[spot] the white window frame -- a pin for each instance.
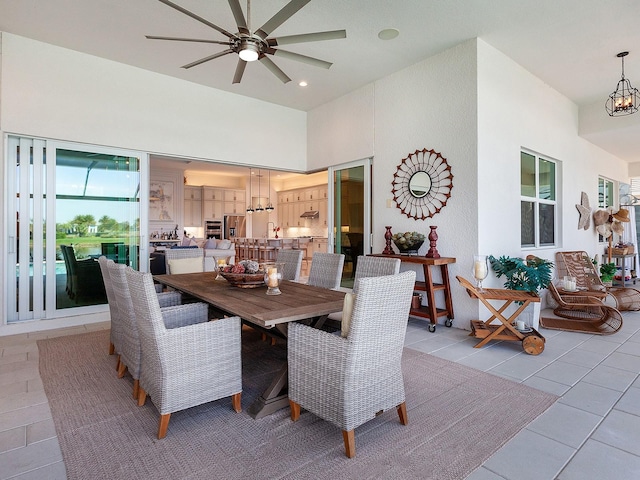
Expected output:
(537, 201)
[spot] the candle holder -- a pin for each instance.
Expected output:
(273, 277)
(387, 238)
(480, 270)
(433, 238)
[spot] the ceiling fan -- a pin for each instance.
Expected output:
(256, 45)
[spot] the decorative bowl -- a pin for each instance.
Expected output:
(408, 241)
(244, 280)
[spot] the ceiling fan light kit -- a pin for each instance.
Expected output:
(251, 46)
(624, 100)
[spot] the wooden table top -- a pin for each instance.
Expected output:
(297, 301)
(418, 259)
(508, 295)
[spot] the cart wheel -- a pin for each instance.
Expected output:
(432, 327)
(533, 345)
(448, 322)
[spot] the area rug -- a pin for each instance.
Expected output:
(458, 417)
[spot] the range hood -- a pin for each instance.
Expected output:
(310, 214)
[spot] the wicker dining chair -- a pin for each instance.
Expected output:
(129, 341)
(582, 314)
(349, 381)
(115, 332)
(292, 260)
(183, 366)
(578, 264)
(368, 266)
(326, 270)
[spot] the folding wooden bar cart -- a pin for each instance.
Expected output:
(532, 341)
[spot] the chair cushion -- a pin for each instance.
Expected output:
(224, 244)
(186, 265)
(210, 243)
(347, 309)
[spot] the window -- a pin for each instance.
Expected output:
(605, 193)
(538, 204)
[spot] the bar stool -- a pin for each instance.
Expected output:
(287, 243)
(266, 252)
(253, 249)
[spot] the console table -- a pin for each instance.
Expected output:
(430, 310)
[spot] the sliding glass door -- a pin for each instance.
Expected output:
(71, 204)
(350, 206)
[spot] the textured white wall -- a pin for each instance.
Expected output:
(57, 93)
(517, 110)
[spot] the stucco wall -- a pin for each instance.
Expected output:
(58, 93)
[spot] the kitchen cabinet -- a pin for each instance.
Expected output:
(320, 245)
(322, 209)
(212, 203)
(234, 202)
(192, 206)
(293, 203)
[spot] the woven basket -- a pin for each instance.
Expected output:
(619, 251)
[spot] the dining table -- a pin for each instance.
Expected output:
(297, 302)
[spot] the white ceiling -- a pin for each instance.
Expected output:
(569, 44)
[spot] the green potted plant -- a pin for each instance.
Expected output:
(531, 274)
(607, 272)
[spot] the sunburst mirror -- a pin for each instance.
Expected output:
(422, 184)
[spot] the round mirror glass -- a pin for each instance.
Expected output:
(420, 184)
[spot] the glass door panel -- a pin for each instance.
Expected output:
(86, 199)
(351, 214)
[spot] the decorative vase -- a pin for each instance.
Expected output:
(433, 238)
(387, 237)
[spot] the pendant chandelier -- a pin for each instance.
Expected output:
(250, 208)
(269, 205)
(624, 101)
(259, 207)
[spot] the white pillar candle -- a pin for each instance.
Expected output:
(480, 269)
(272, 277)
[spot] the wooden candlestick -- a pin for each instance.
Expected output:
(433, 238)
(387, 236)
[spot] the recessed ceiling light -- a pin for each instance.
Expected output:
(388, 34)
(303, 83)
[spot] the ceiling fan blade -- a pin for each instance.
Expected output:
(197, 17)
(266, 61)
(180, 39)
(237, 77)
(316, 62)
(307, 37)
(279, 18)
(206, 59)
(241, 22)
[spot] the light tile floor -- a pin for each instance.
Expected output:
(592, 431)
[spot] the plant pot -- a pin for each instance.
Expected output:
(416, 301)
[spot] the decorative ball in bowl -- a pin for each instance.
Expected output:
(245, 274)
(408, 241)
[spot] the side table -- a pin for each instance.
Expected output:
(430, 310)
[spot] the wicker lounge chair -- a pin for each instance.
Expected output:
(582, 314)
(348, 381)
(578, 264)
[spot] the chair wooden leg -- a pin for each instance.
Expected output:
(236, 402)
(118, 363)
(295, 410)
(349, 443)
(273, 340)
(263, 337)
(112, 348)
(122, 369)
(164, 424)
(136, 389)
(142, 396)
(402, 413)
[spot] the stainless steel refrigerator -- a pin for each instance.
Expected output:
(234, 226)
